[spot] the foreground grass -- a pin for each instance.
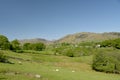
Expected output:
(77, 68)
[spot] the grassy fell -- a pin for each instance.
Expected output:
(46, 65)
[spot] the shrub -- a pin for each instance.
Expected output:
(107, 62)
(73, 50)
(3, 58)
(69, 53)
(111, 43)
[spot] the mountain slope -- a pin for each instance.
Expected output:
(88, 36)
(36, 40)
(77, 37)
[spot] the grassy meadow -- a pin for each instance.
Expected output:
(25, 66)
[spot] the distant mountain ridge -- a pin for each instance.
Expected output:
(36, 40)
(77, 37)
(88, 36)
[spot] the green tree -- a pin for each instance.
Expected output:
(34, 46)
(27, 46)
(15, 45)
(4, 43)
(38, 46)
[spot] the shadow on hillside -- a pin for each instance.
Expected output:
(8, 62)
(2, 78)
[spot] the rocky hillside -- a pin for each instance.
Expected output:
(88, 36)
(36, 40)
(78, 37)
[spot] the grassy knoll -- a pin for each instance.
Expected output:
(76, 68)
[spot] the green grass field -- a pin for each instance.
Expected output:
(47, 66)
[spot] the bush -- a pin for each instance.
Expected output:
(73, 50)
(3, 58)
(107, 62)
(69, 53)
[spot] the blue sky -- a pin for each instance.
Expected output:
(53, 19)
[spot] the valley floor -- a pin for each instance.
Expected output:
(28, 66)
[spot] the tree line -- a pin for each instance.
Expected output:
(15, 45)
(115, 43)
